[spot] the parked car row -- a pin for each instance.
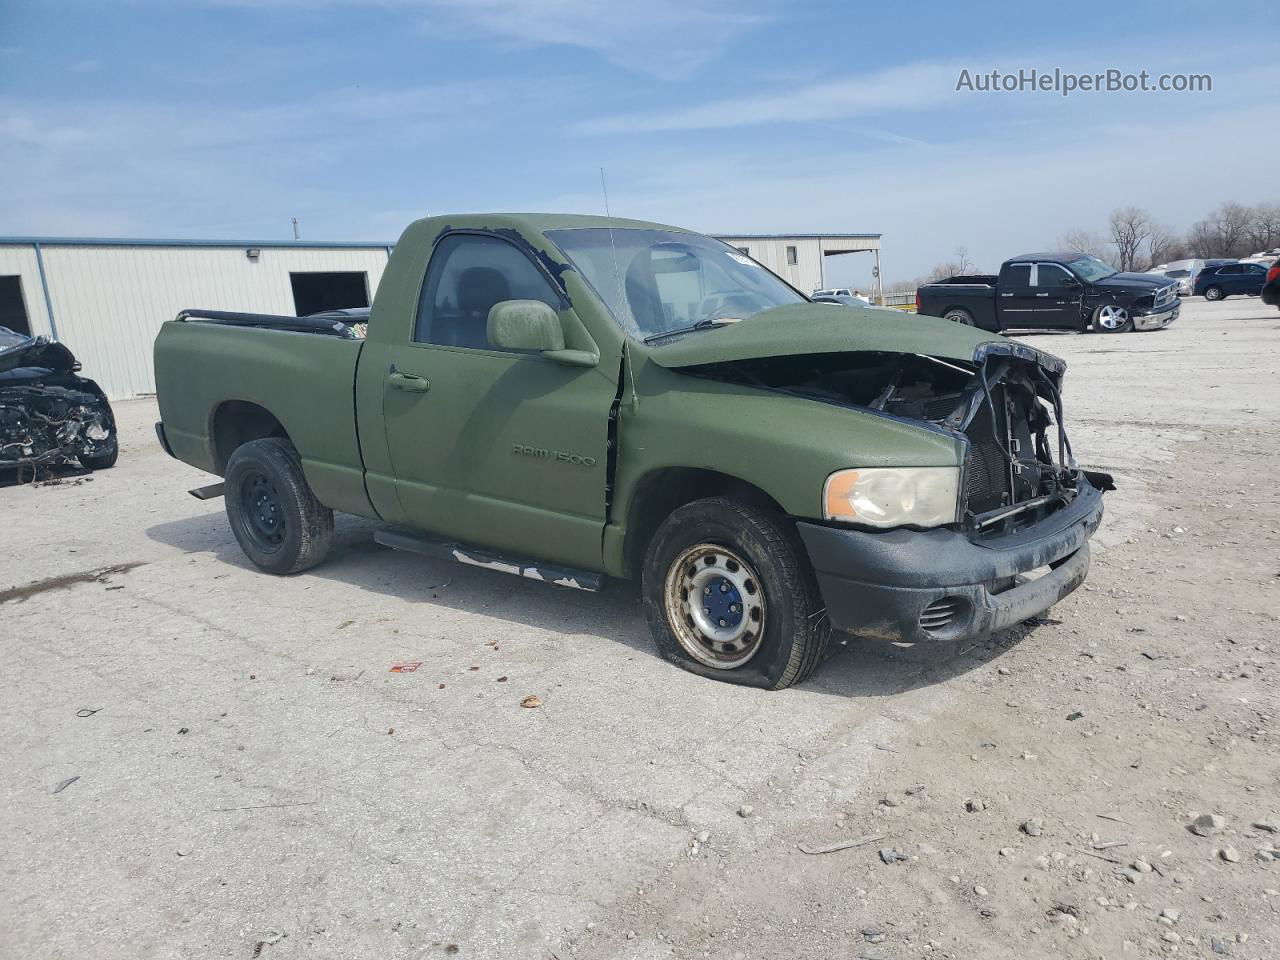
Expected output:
(1228, 279)
(1221, 278)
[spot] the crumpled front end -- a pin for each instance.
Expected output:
(44, 423)
(1024, 511)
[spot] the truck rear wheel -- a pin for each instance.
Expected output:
(729, 595)
(278, 521)
(958, 315)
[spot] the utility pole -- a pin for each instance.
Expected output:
(295, 229)
(879, 279)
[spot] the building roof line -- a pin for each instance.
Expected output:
(152, 242)
(340, 244)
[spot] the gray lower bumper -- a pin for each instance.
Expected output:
(924, 585)
(1157, 320)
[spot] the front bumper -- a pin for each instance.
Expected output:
(1156, 320)
(920, 585)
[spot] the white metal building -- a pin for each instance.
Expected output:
(801, 258)
(106, 298)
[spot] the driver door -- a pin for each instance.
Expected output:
(1057, 295)
(492, 447)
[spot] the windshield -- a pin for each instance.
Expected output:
(656, 282)
(10, 339)
(1092, 269)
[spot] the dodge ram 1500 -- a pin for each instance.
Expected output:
(571, 398)
(1039, 291)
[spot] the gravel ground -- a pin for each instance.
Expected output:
(203, 761)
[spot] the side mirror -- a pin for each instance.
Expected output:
(532, 325)
(1071, 282)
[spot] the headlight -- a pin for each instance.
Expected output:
(893, 496)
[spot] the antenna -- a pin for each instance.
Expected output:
(613, 247)
(295, 229)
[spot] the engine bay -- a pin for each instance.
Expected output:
(44, 423)
(1006, 407)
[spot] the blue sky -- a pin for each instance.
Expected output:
(225, 118)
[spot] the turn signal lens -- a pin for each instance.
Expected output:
(893, 496)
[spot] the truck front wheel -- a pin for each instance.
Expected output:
(1112, 319)
(278, 521)
(729, 594)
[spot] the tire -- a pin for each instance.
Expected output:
(278, 521)
(104, 462)
(1111, 318)
(959, 315)
(780, 630)
(1214, 293)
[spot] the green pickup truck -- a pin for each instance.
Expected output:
(571, 398)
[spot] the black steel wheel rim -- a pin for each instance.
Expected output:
(263, 511)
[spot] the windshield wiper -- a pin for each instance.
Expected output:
(692, 328)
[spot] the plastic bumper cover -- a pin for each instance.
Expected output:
(1156, 319)
(921, 585)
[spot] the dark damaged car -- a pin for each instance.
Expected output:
(573, 398)
(1054, 291)
(49, 414)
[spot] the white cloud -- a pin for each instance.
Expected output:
(1241, 70)
(909, 87)
(662, 38)
(137, 166)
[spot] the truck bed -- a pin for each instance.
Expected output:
(209, 364)
(975, 294)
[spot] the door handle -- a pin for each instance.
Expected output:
(408, 382)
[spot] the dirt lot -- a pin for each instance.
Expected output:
(203, 761)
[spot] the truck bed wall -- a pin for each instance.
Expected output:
(975, 294)
(304, 380)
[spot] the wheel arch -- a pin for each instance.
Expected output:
(236, 422)
(664, 490)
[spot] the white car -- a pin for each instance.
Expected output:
(841, 292)
(1184, 271)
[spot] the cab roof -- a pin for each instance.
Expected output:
(1047, 257)
(541, 222)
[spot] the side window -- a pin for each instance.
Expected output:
(467, 275)
(1016, 277)
(1051, 275)
(1257, 268)
(1231, 270)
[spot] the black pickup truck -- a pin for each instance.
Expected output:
(1054, 291)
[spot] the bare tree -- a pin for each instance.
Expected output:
(1224, 233)
(1263, 230)
(1164, 245)
(1077, 240)
(1130, 231)
(964, 264)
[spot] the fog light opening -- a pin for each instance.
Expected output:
(944, 615)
